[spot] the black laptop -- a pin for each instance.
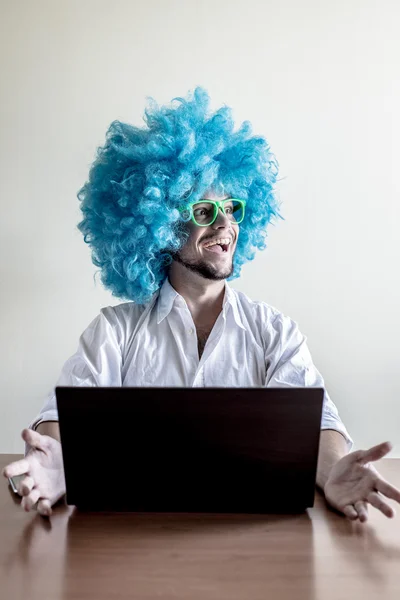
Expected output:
(236, 450)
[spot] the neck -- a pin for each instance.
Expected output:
(204, 297)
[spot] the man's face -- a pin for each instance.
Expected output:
(210, 261)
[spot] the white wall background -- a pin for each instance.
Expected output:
(319, 79)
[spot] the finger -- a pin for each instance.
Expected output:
(29, 501)
(374, 453)
(362, 510)
(44, 507)
(26, 486)
(19, 467)
(34, 439)
(375, 500)
(350, 512)
(387, 489)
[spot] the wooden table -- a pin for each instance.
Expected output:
(318, 555)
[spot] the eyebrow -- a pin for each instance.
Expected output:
(211, 200)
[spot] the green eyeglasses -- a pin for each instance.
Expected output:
(204, 212)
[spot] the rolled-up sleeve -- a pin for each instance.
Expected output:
(97, 362)
(289, 364)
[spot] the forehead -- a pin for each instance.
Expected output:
(211, 195)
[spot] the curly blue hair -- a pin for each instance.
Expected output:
(141, 176)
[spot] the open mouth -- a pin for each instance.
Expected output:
(218, 246)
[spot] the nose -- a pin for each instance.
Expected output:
(221, 221)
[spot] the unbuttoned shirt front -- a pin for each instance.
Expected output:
(251, 345)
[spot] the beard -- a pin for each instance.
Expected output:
(206, 270)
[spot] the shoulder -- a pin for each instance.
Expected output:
(119, 322)
(270, 319)
(126, 310)
(260, 310)
(123, 316)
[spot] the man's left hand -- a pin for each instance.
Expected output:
(353, 483)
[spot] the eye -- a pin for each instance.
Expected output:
(201, 212)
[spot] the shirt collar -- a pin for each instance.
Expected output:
(231, 300)
(166, 300)
(168, 296)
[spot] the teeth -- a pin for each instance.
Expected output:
(221, 241)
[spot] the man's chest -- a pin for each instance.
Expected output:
(203, 333)
(179, 354)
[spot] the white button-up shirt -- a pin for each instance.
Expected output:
(251, 345)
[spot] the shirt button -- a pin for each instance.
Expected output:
(191, 331)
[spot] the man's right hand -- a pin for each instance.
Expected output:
(44, 481)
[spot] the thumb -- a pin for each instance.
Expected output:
(374, 453)
(34, 439)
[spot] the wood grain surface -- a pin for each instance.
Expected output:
(317, 555)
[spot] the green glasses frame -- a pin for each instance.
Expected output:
(218, 204)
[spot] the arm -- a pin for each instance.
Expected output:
(50, 428)
(332, 447)
(289, 364)
(349, 482)
(97, 362)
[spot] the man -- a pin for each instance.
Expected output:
(171, 212)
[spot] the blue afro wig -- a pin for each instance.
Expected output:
(142, 175)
